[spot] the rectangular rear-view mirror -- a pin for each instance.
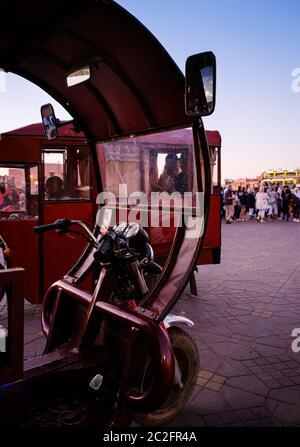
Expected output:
(200, 84)
(49, 121)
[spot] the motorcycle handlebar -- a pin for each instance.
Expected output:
(103, 252)
(60, 224)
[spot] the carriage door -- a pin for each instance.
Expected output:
(66, 193)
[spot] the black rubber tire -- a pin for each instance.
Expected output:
(187, 356)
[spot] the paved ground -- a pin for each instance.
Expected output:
(244, 316)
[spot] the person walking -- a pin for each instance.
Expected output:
(261, 203)
(228, 200)
(242, 196)
(296, 211)
(237, 206)
(279, 200)
(273, 208)
(251, 200)
(286, 199)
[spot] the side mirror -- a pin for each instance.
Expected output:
(49, 121)
(200, 84)
(78, 76)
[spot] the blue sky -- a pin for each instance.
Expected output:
(257, 46)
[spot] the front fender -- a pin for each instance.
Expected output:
(174, 320)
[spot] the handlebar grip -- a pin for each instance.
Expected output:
(60, 224)
(103, 251)
(105, 247)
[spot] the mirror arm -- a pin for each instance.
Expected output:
(75, 123)
(64, 123)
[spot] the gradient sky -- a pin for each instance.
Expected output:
(257, 46)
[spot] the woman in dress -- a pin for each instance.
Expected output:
(261, 203)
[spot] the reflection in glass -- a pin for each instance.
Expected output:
(49, 121)
(208, 80)
(18, 191)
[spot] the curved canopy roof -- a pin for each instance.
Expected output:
(134, 86)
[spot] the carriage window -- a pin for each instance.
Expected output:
(18, 192)
(161, 162)
(170, 171)
(66, 173)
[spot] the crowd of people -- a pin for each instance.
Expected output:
(263, 203)
(11, 198)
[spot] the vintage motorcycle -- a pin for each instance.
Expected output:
(114, 352)
(125, 266)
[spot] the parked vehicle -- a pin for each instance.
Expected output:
(114, 352)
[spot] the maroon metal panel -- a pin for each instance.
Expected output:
(134, 86)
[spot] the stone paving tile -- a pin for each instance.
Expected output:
(206, 374)
(192, 420)
(248, 383)
(208, 402)
(229, 417)
(286, 413)
(271, 384)
(213, 420)
(232, 368)
(240, 399)
(234, 351)
(269, 422)
(218, 379)
(285, 381)
(246, 415)
(261, 412)
(266, 350)
(276, 374)
(213, 386)
(272, 369)
(209, 361)
(261, 362)
(252, 423)
(201, 381)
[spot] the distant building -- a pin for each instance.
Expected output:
(282, 176)
(247, 182)
(271, 176)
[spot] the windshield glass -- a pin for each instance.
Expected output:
(153, 177)
(152, 180)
